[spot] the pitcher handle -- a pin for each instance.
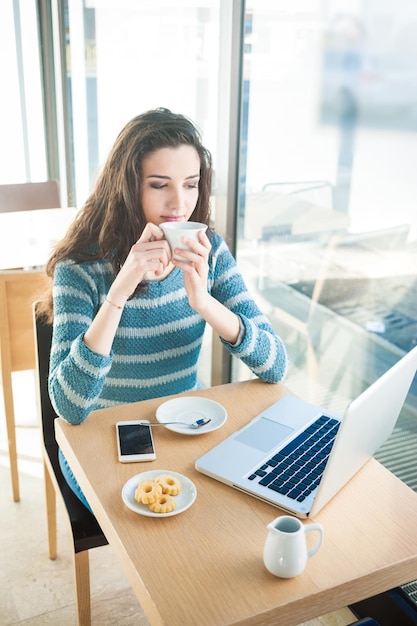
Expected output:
(318, 528)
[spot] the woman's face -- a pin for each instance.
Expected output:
(170, 184)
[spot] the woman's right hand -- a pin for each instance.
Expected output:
(147, 259)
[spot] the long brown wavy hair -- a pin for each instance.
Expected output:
(112, 218)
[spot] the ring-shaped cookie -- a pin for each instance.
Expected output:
(170, 484)
(164, 504)
(148, 491)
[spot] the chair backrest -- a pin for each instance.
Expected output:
(18, 290)
(43, 339)
(86, 530)
(29, 196)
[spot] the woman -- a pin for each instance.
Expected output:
(128, 319)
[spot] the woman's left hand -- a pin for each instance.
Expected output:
(195, 270)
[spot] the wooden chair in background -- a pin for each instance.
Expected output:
(28, 196)
(18, 290)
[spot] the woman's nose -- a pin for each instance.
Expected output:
(176, 199)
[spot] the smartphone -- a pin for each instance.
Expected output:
(134, 442)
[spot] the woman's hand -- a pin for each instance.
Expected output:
(195, 270)
(147, 259)
(222, 320)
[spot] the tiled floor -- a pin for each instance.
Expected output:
(35, 591)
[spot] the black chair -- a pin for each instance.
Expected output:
(85, 530)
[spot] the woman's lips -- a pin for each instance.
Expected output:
(172, 218)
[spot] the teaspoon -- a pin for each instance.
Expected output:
(197, 424)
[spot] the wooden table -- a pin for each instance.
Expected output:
(204, 566)
(27, 237)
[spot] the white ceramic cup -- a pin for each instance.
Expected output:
(285, 551)
(175, 231)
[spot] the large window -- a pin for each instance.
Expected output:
(328, 220)
(124, 58)
(22, 147)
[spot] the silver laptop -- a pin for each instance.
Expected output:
(297, 456)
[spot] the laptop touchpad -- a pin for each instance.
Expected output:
(264, 434)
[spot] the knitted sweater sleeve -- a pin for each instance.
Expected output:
(76, 374)
(260, 347)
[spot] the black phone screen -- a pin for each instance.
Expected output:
(135, 439)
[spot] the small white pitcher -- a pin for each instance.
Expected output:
(285, 550)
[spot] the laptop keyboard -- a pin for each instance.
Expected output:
(296, 470)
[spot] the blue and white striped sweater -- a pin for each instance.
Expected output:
(158, 342)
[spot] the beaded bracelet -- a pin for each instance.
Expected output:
(115, 305)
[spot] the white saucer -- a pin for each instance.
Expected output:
(190, 409)
(184, 499)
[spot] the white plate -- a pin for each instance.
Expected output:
(189, 410)
(184, 499)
